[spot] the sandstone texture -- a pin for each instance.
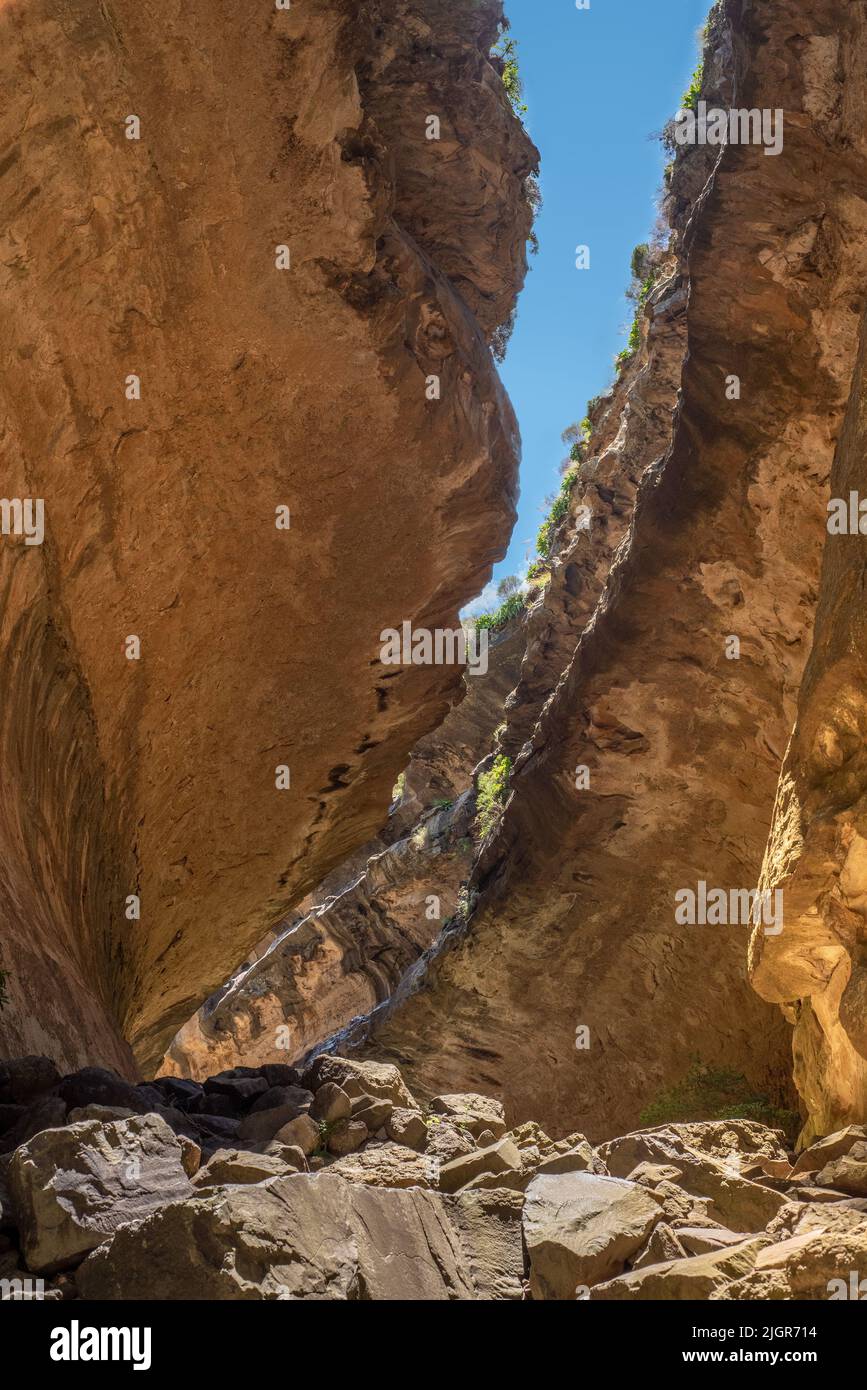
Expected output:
(371, 920)
(707, 522)
(258, 388)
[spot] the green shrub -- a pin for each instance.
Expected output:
(559, 509)
(397, 789)
(639, 290)
(491, 793)
(689, 100)
(512, 608)
(716, 1093)
(506, 50)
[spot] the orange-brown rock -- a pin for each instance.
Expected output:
(304, 388)
(575, 922)
(348, 953)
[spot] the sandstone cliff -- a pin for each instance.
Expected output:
(575, 918)
(366, 927)
(168, 386)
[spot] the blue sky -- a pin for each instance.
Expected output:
(597, 83)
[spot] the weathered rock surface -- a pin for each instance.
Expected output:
(306, 1236)
(304, 388)
(580, 1229)
(629, 673)
(73, 1187)
(369, 921)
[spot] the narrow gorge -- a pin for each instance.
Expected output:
(535, 970)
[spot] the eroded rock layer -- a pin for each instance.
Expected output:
(362, 932)
(683, 733)
(236, 310)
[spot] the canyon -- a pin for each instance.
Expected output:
(462, 1012)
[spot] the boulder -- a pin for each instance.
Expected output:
(499, 1158)
(10, 1115)
(306, 1236)
(703, 1240)
(279, 1074)
(345, 1136)
(816, 1266)
(580, 1229)
(664, 1245)
(407, 1127)
(211, 1127)
(299, 1099)
(330, 1103)
(698, 1277)
(235, 1166)
(531, 1136)
(847, 1174)
(371, 1111)
(445, 1141)
(652, 1174)
(102, 1113)
(512, 1180)
(240, 1090)
(735, 1201)
(48, 1112)
(489, 1224)
(379, 1079)
(191, 1155)
(289, 1154)
(385, 1165)
(177, 1090)
(22, 1079)
(476, 1113)
(824, 1151)
(73, 1187)
(302, 1133)
(261, 1125)
(96, 1086)
(583, 1159)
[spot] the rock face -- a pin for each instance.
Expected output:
(817, 852)
(341, 960)
(370, 921)
(216, 388)
(681, 731)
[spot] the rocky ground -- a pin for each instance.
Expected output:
(335, 1183)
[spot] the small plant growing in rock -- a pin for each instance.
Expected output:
(493, 788)
(559, 509)
(512, 608)
(505, 55)
(717, 1093)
